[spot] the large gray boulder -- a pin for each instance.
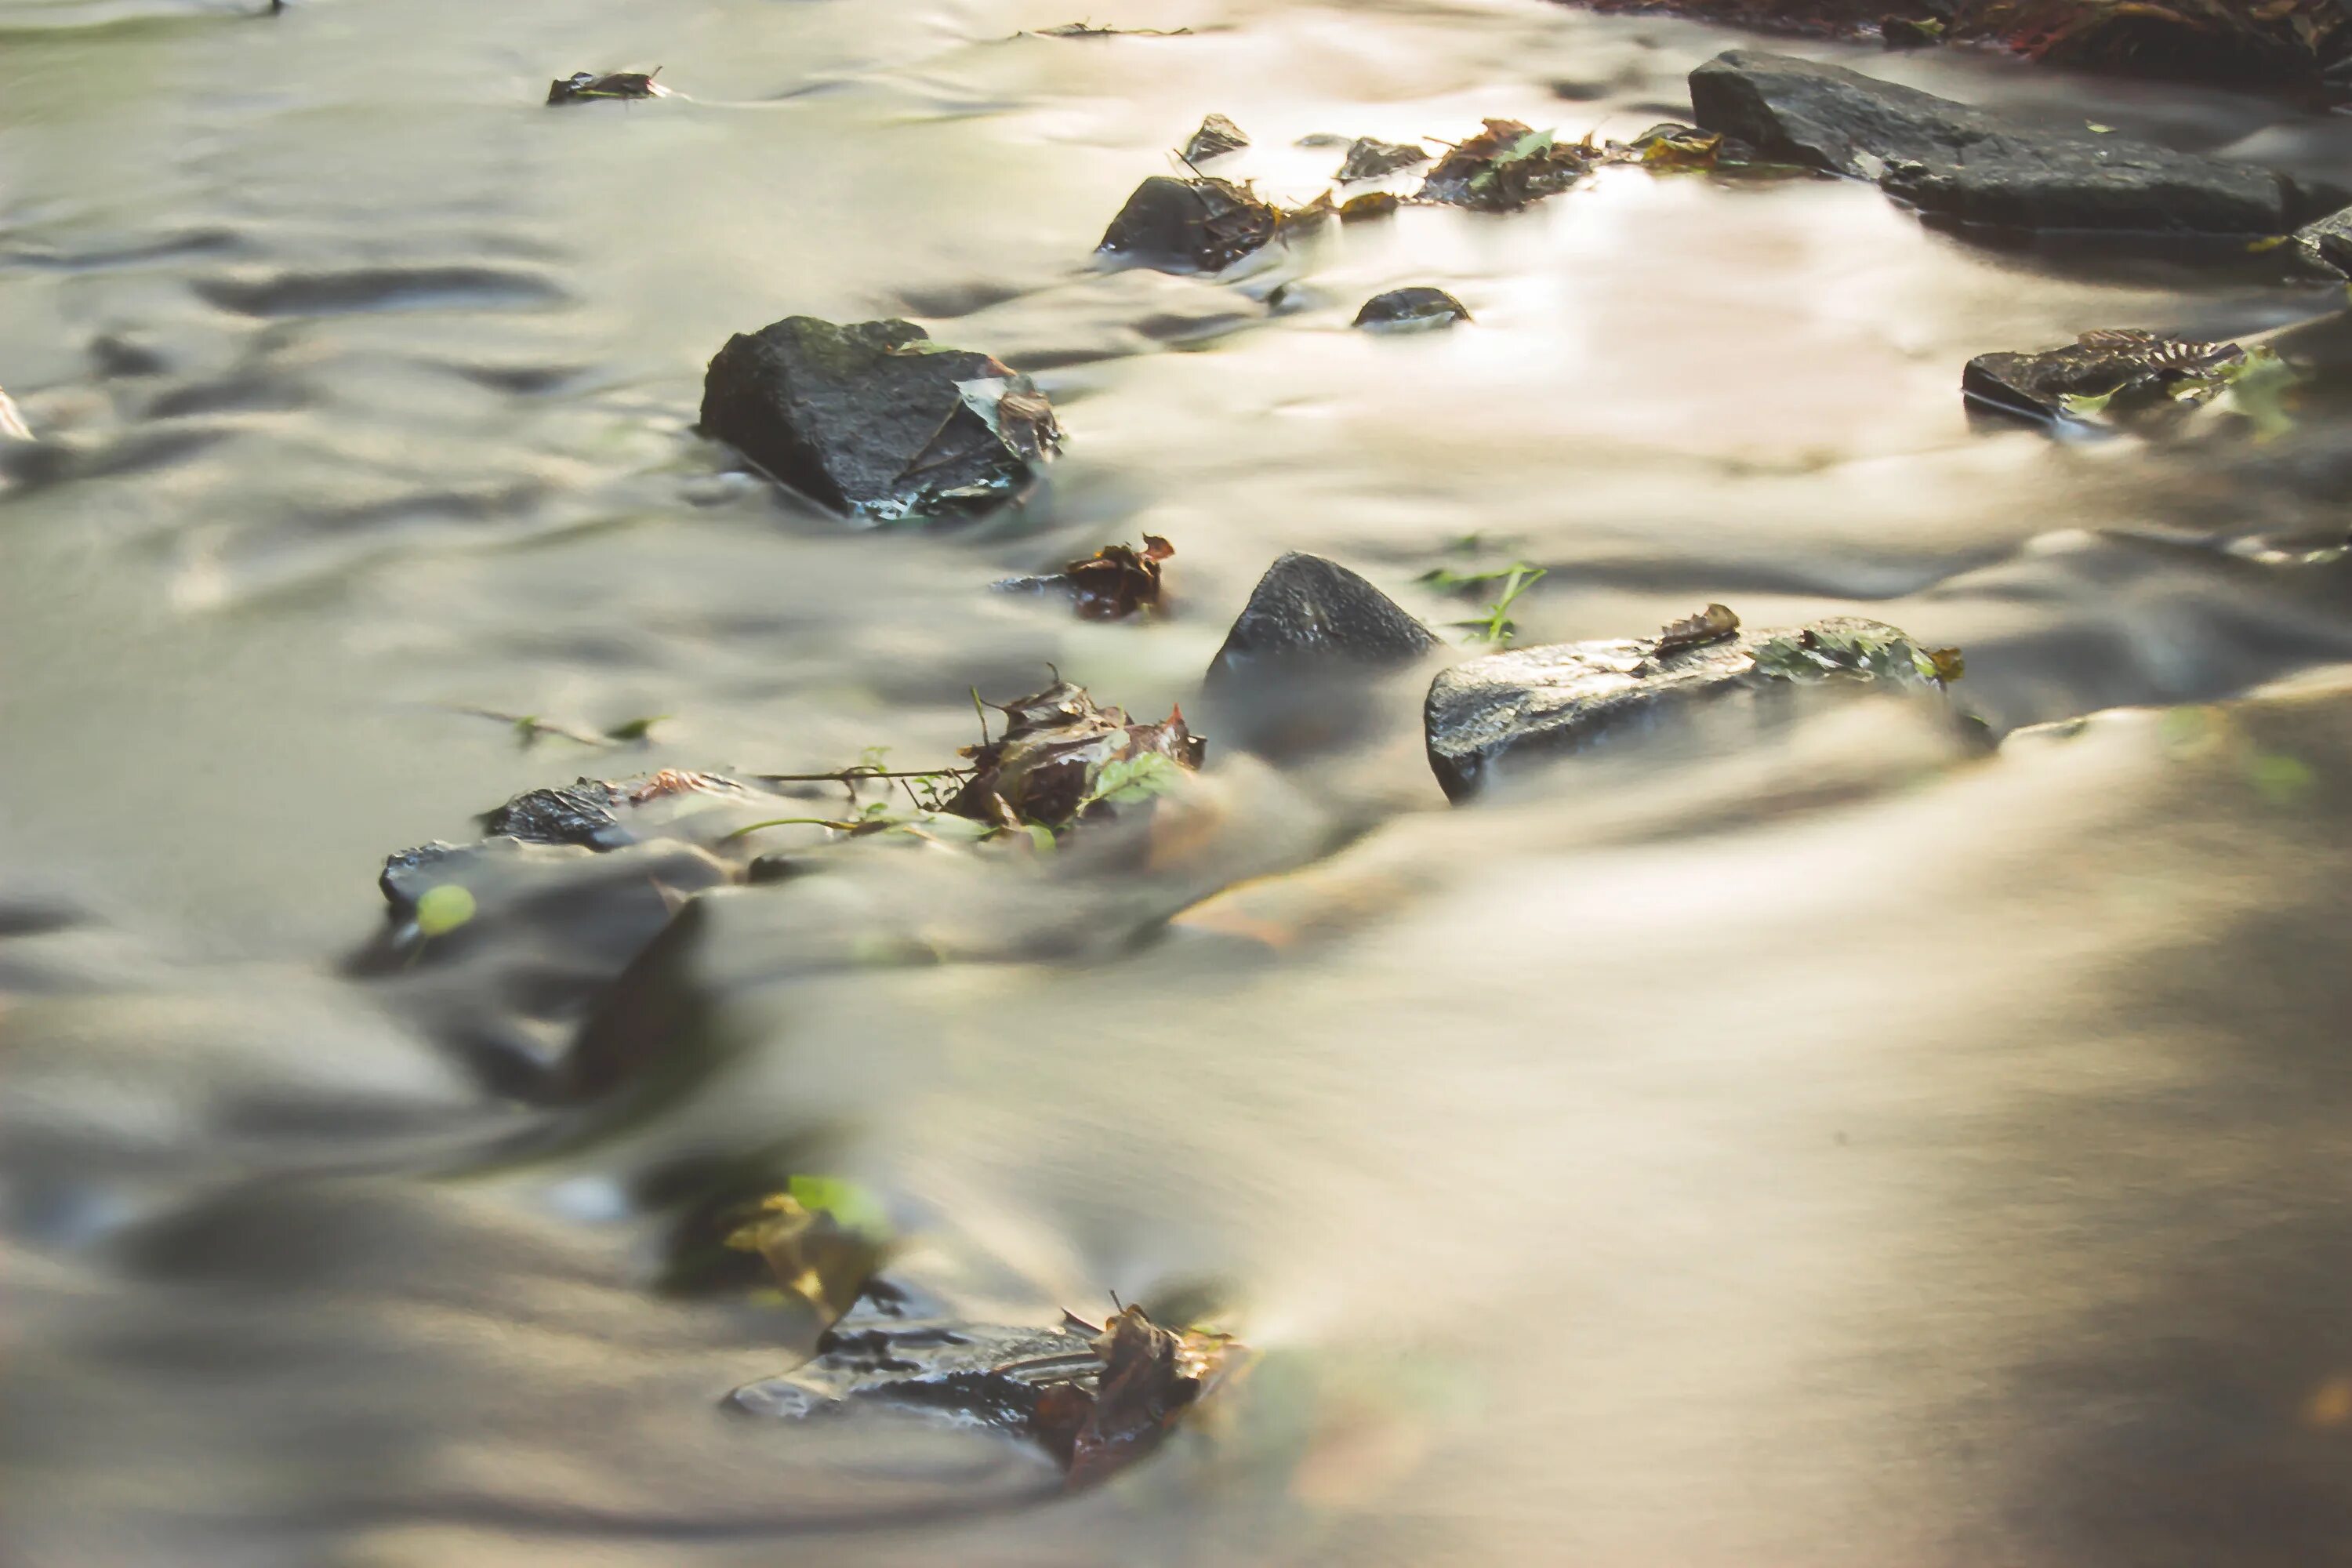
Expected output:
(1541, 703)
(874, 417)
(1961, 164)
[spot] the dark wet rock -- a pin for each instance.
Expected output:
(2324, 246)
(1308, 614)
(1370, 204)
(1370, 158)
(1540, 703)
(875, 418)
(1404, 309)
(1963, 164)
(976, 1372)
(2111, 369)
(1216, 137)
(1190, 225)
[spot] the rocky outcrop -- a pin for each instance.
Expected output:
(1967, 166)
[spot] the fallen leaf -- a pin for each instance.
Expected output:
(1149, 1377)
(1506, 167)
(1046, 766)
(1371, 204)
(1711, 625)
(822, 1240)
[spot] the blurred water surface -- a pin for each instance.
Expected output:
(1824, 1146)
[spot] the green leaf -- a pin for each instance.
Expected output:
(634, 728)
(1124, 781)
(443, 909)
(851, 1206)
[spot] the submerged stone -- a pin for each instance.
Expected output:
(1547, 702)
(1404, 309)
(1308, 614)
(877, 419)
(1190, 225)
(1965, 164)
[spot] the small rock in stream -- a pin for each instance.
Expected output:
(1190, 225)
(1958, 163)
(1308, 614)
(2324, 246)
(1216, 137)
(1410, 310)
(877, 418)
(1547, 702)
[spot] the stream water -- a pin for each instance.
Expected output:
(1829, 1148)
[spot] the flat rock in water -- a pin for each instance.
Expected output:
(1308, 612)
(1547, 702)
(1963, 164)
(1418, 306)
(1190, 225)
(875, 418)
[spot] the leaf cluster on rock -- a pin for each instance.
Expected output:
(1506, 166)
(1148, 1377)
(1061, 757)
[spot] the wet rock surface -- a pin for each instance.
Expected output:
(1541, 703)
(877, 419)
(1405, 309)
(1968, 166)
(1370, 158)
(1308, 614)
(1190, 225)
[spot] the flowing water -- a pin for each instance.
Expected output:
(1818, 1147)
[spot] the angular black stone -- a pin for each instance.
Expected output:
(1189, 225)
(1308, 612)
(871, 417)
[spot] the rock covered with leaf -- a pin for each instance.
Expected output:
(1061, 758)
(1541, 703)
(1097, 1399)
(1506, 166)
(876, 418)
(1114, 582)
(1201, 224)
